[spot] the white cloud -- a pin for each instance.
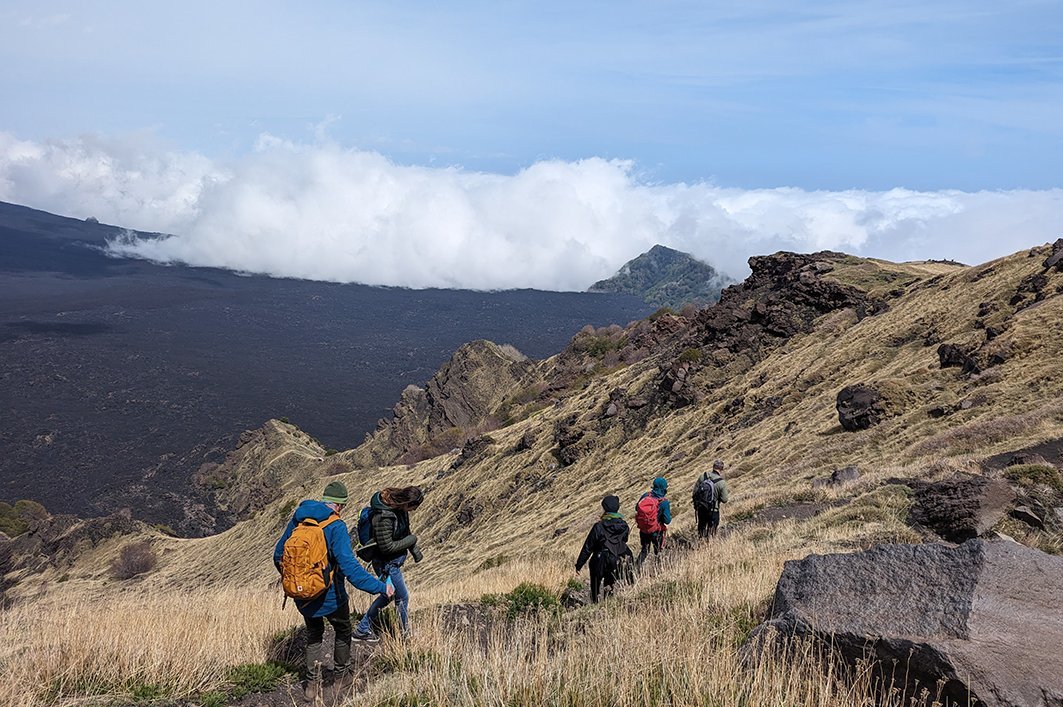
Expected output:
(320, 211)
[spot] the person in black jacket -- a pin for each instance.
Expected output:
(606, 548)
(393, 540)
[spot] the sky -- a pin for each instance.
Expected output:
(513, 144)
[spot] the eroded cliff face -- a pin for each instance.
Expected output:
(454, 404)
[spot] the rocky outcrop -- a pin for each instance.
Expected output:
(59, 540)
(960, 508)
(860, 407)
(460, 396)
(981, 619)
(255, 474)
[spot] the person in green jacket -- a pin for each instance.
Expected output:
(390, 522)
(710, 490)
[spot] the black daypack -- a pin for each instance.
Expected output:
(705, 493)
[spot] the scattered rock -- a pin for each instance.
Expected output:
(960, 508)
(1024, 514)
(981, 620)
(575, 598)
(860, 407)
(952, 356)
(1055, 260)
(526, 442)
(840, 477)
(571, 439)
(473, 449)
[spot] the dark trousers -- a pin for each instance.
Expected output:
(607, 570)
(708, 521)
(315, 632)
(649, 540)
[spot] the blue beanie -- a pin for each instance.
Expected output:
(660, 485)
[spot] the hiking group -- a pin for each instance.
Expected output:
(316, 559)
(606, 550)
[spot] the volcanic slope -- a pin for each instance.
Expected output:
(962, 364)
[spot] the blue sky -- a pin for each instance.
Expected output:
(536, 144)
(823, 95)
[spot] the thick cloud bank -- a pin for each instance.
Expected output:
(323, 212)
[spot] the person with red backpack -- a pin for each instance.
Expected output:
(606, 548)
(653, 513)
(314, 558)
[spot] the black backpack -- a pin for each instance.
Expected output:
(705, 494)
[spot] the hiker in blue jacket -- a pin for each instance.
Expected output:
(334, 603)
(653, 514)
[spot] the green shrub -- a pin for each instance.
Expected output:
(691, 355)
(527, 597)
(663, 311)
(492, 600)
(330, 451)
(10, 522)
(147, 692)
(1035, 474)
(574, 584)
(213, 699)
(254, 677)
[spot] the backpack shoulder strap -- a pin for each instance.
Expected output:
(331, 519)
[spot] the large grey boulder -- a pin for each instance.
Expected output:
(985, 620)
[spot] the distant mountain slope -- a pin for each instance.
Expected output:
(664, 277)
(120, 378)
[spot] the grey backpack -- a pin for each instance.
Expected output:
(705, 493)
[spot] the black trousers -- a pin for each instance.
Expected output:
(708, 521)
(649, 540)
(315, 632)
(606, 571)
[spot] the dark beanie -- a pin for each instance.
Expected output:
(335, 492)
(611, 504)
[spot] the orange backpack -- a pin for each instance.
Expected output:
(304, 562)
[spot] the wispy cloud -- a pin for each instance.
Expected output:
(322, 211)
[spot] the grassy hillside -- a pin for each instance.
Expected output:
(516, 510)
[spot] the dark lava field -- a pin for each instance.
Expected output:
(119, 378)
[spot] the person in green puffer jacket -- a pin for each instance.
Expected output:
(390, 522)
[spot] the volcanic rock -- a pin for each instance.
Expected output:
(960, 508)
(860, 407)
(839, 477)
(981, 619)
(952, 356)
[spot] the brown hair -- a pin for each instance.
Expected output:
(408, 498)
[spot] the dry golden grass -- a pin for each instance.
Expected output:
(524, 518)
(68, 648)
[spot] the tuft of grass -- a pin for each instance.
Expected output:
(1036, 474)
(492, 562)
(255, 677)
